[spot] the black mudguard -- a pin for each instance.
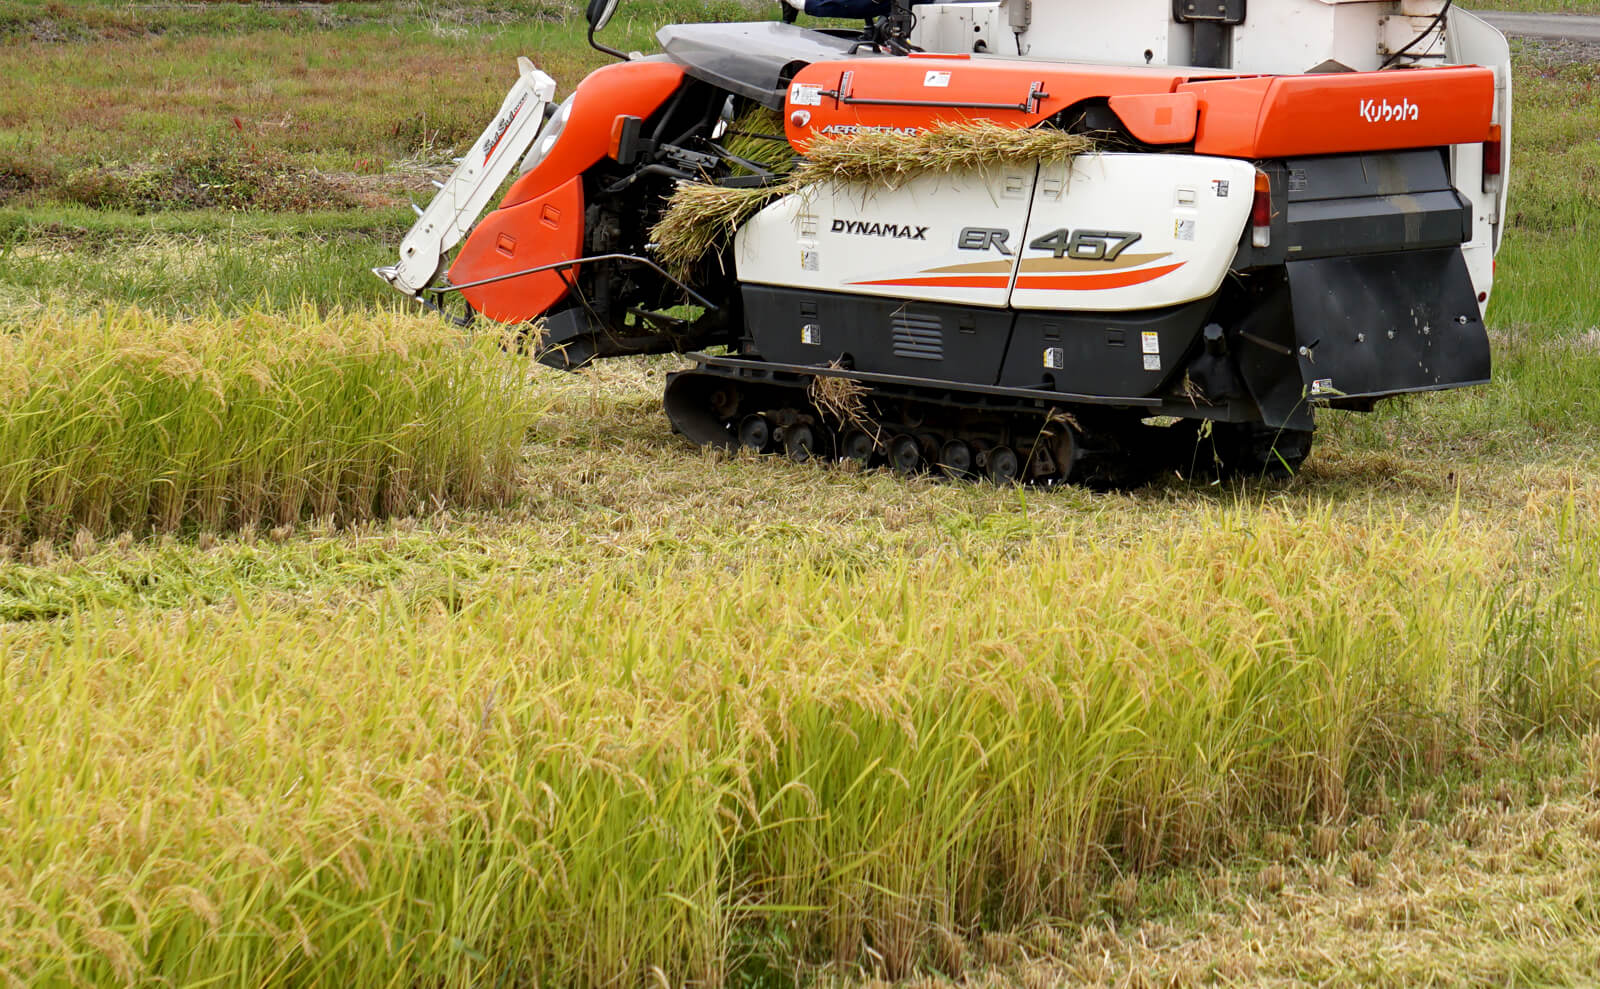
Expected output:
(1387, 324)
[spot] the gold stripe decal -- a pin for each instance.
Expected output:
(1048, 266)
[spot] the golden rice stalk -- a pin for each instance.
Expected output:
(842, 399)
(700, 219)
(884, 158)
(757, 136)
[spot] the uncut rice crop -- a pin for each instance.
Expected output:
(123, 420)
(652, 772)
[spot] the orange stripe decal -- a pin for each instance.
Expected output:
(1081, 282)
(1090, 283)
(993, 281)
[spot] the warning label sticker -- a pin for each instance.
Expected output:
(803, 95)
(1152, 362)
(1150, 342)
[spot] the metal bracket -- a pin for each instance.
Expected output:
(1021, 14)
(564, 265)
(1036, 96)
(1218, 11)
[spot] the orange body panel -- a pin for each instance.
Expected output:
(634, 88)
(1159, 118)
(544, 230)
(905, 83)
(1278, 116)
(1250, 117)
(541, 220)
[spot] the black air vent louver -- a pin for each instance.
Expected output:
(918, 337)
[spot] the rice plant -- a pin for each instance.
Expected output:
(649, 771)
(120, 420)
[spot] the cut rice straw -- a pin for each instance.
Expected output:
(701, 218)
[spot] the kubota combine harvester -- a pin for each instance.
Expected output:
(1275, 209)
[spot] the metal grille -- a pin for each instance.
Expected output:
(918, 337)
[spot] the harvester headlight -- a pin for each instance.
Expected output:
(548, 137)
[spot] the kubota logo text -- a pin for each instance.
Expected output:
(1384, 112)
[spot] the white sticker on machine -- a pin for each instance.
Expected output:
(937, 80)
(1150, 342)
(803, 95)
(1152, 362)
(810, 261)
(1183, 230)
(1055, 358)
(811, 335)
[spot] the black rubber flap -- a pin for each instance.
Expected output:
(1387, 324)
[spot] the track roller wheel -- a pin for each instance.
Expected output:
(905, 454)
(955, 459)
(859, 446)
(1063, 450)
(755, 433)
(1002, 465)
(800, 443)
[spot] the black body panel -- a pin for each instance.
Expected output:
(888, 336)
(1036, 395)
(754, 60)
(1343, 205)
(1387, 324)
(1344, 227)
(1101, 353)
(1372, 204)
(1067, 353)
(1265, 353)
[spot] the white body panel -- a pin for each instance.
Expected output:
(1473, 40)
(1188, 211)
(1280, 36)
(888, 242)
(980, 28)
(1296, 37)
(1111, 232)
(487, 163)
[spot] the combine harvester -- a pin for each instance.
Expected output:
(1024, 240)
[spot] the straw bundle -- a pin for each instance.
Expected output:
(701, 218)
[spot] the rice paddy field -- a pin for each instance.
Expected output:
(339, 646)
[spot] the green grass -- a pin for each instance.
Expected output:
(187, 92)
(667, 714)
(181, 272)
(1538, 6)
